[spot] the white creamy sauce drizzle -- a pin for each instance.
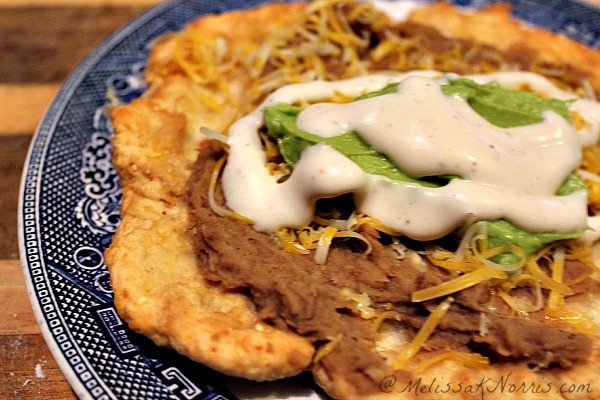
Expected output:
(398, 10)
(510, 173)
(592, 234)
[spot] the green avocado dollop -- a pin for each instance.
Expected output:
(502, 233)
(281, 125)
(504, 107)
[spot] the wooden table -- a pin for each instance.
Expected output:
(41, 44)
(42, 41)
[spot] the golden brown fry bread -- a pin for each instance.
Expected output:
(158, 288)
(494, 26)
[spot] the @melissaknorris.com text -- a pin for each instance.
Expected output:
(482, 387)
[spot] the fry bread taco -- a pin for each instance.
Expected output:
(404, 207)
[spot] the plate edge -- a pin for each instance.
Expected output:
(50, 119)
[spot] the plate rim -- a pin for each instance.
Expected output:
(41, 138)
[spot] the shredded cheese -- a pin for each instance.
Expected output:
(287, 239)
(536, 273)
(473, 253)
(375, 224)
(486, 255)
(457, 284)
(327, 348)
(555, 300)
(363, 302)
(342, 224)
(382, 317)
(355, 235)
(578, 321)
(426, 330)
(470, 360)
(217, 209)
(309, 237)
(324, 244)
(478, 228)
(214, 135)
(518, 304)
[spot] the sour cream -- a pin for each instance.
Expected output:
(510, 173)
(398, 10)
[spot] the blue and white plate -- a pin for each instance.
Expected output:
(69, 210)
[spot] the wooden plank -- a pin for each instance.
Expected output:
(16, 316)
(13, 150)
(23, 106)
(76, 3)
(28, 371)
(44, 44)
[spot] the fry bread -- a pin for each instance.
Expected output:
(494, 26)
(158, 287)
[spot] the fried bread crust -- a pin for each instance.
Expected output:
(158, 289)
(493, 25)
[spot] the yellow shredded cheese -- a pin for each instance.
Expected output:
(445, 259)
(518, 304)
(375, 224)
(382, 317)
(363, 302)
(426, 330)
(473, 252)
(327, 348)
(578, 321)
(485, 257)
(577, 120)
(536, 273)
(457, 284)
(470, 360)
(271, 150)
(555, 300)
(309, 237)
(288, 241)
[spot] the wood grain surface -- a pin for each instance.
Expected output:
(24, 106)
(27, 370)
(42, 41)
